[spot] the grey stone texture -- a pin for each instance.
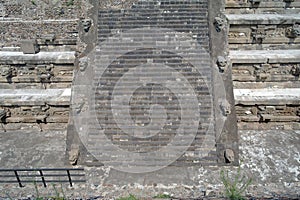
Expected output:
(265, 59)
(259, 41)
(270, 158)
(29, 47)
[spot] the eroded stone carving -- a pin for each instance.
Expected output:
(74, 155)
(225, 107)
(265, 72)
(44, 72)
(259, 33)
(86, 24)
(295, 70)
(293, 32)
(6, 71)
(261, 72)
(81, 104)
(222, 63)
(83, 63)
(2, 114)
(229, 155)
(255, 2)
(220, 24)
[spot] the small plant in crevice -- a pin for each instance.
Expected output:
(70, 2)
(57, 194)
(37, 191)
(235, 185)
(130, 197)
(33, 2)
(162, 196)
(8, 196)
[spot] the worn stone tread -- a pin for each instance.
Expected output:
(67, 57)
(11, 97)
(268, 96)
(265, 56)
(262, 18)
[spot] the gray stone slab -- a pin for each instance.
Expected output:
(7, 57)
(32, 149)
(270, 157)
(269, 96)
(262, 18)
(9, 97)
(265, 56)
(29, 46)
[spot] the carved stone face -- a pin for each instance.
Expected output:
(6, 71)
(293, 32)
(83, 64)
(219, 23)
(226, 108)
(222, 63)
(295, 70)
(86, 24)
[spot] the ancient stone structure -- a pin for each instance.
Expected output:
(60, 62)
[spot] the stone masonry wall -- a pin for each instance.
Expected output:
(35, 86)
(263, 41)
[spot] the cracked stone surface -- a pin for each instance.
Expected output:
(31, 149)
(271, 158)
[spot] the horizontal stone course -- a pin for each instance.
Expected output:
(265, 56)
(268, 96)
(31, 97)
(7, 57)
(246, 19)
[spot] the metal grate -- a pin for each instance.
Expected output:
(46, 175)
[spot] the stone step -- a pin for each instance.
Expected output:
(254, 19)
(20, 20)
(267, 96)
(262, 85)
(262, 4)
(8, 57)
(265, 56)
(35, 97)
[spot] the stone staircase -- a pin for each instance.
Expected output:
(264, 48)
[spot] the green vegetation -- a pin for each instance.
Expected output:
(130, 197)
(37, 191)
(57, 194)
(8, 196)
(162, 196)
(70, 2)
(33, 2)
(235, 186)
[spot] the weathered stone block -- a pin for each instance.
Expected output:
(29, 47)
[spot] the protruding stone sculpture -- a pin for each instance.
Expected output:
(6, 71)
(229, 156)
(219, 24)
(295, 70)
(293, 32)
(83, 64)
(225, 107)
(222, 63)
(86, 24)
(74, 155)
